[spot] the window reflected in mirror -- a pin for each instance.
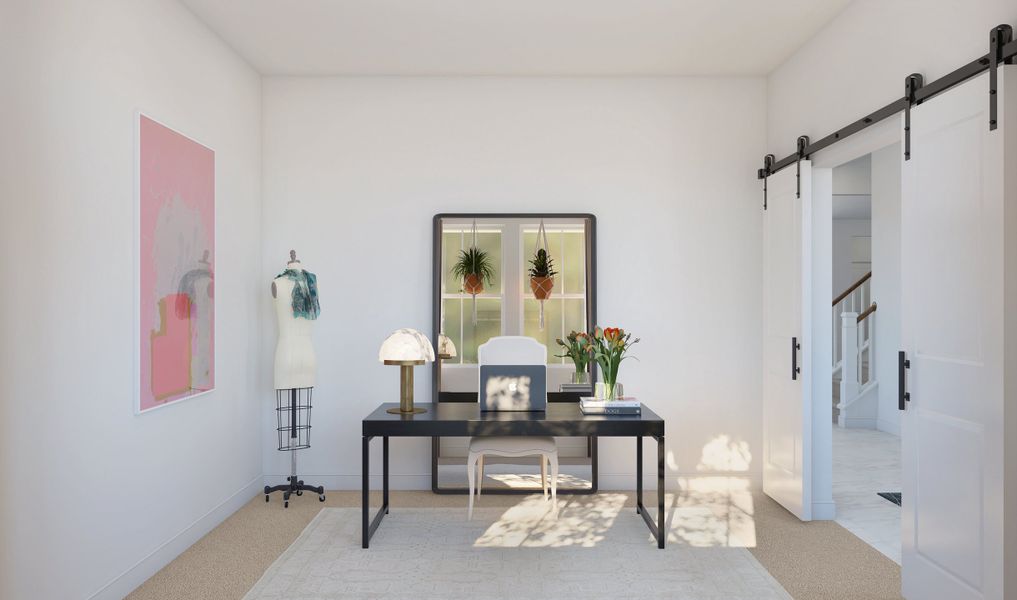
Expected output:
(506, 304)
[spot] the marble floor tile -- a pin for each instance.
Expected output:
(865, 462)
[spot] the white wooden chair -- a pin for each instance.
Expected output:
(512, 350)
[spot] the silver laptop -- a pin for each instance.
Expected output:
(513, 387)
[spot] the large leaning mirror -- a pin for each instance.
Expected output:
(469, 310)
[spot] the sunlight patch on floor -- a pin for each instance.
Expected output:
(706, 512)
(522, 480)
(536, 522)
(712, 512)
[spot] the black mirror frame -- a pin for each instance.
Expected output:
(436, 265)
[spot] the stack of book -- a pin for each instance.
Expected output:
(620, 406)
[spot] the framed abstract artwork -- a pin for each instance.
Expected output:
(175, 289)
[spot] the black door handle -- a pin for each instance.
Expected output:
(795, 347)
(903, 397)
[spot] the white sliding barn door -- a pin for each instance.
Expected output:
(787, 414)
(952, 330)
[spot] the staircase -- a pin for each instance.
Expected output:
(854, 379)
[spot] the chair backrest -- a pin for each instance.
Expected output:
(512, 350)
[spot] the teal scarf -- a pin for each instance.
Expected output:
(305, 293)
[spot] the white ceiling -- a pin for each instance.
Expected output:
(516, 37)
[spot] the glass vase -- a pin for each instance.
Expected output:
(608, 391)
(580, 377)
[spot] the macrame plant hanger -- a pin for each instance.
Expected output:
(541, 238)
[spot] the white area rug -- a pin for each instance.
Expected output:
(593, 550)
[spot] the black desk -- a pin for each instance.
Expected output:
(465, 420)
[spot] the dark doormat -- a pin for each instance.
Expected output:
(891, 496)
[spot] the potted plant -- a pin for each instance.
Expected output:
(473, 268)
(542, 274)
(579, 347)
(610, 347)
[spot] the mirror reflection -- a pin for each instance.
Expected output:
(525, 275)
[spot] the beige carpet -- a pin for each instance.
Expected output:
(819, 560)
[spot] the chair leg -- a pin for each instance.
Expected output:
(480, 471)
(471, 463)
(543, 474)
(554, 477)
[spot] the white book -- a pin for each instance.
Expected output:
(590, 402)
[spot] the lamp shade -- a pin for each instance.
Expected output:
(446, 349)
(406, 345)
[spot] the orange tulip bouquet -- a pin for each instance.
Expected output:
(610, 347)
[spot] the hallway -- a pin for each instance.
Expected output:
(865, 462)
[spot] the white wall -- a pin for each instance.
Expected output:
(858, 62)
(853, 178)
(847, 233)
(885, 287)
(354, 169)
(95, 495)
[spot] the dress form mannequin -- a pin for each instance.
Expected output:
(295, 368)
(295, 362)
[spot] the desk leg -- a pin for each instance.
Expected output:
(639, 473)
(657, 529)
(661, 532)
(369, 525)
(384, 458)
(365, 490)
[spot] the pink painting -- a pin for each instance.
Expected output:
(176, 244)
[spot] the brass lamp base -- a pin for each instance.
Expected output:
(412, 411)
(405, 388)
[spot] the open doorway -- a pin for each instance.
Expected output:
(865, 333)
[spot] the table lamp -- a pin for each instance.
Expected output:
(446, 349)
(406, 348)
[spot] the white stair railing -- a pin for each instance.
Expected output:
(856, 299)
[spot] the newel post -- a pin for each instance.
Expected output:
(849, 384)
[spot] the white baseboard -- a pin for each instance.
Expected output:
(888, 426)
(130, 579)
(824, 511)
(858, 422)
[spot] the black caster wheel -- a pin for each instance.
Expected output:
(321, 497)
(300, 493)
(266, 497)
(286, 504)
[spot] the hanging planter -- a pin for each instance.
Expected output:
(474, 268)
(541, 286)
(473, 284)
(541, 272)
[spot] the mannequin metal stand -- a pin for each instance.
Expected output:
(294, 429)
